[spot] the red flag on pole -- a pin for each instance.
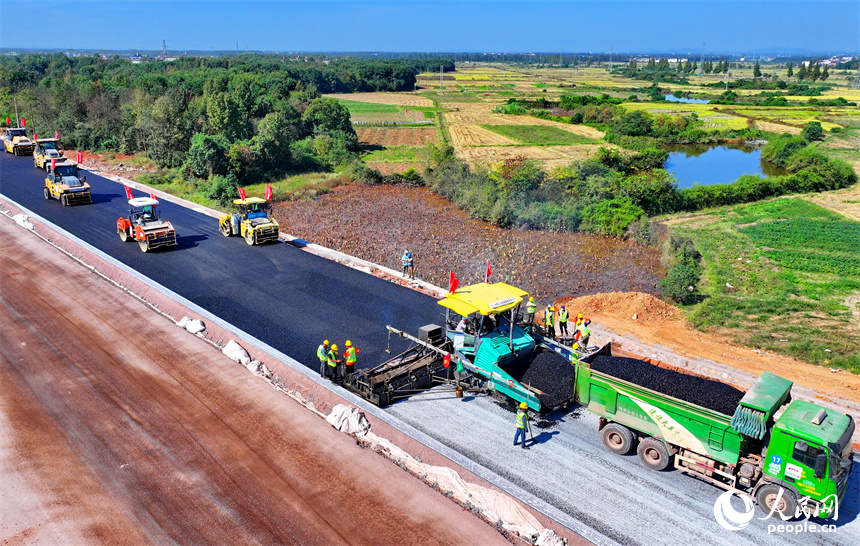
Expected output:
(8, 121)
(489, 272)
(127, 191)
(453, 283)
(57, 135)
(35, 136)
(80, 157)
(446, 360)
(53, 165)
(268, 192)
(153, 196)
(23, 122)
(241, 193)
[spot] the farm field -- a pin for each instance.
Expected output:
(781, 275)
(539, 135)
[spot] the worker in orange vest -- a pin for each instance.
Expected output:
(349, 357)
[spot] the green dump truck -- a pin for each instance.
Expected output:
(793, 462)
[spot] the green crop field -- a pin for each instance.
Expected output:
(781, 275)
(356, 107)
(539, 135)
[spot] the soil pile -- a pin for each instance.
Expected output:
(707, 393)
(377, 223)
(644, 307)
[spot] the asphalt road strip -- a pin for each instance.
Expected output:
(502, 483)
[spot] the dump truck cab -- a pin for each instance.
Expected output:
(16, 141)
(47, 150)
(65, 184)
(809, 457)
(144, 225)
(252, 221)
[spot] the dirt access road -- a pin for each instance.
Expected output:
(117, 427)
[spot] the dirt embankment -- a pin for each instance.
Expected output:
(655, 322)
(378, 223)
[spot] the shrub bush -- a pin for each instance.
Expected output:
(610, 217)
(680, 284)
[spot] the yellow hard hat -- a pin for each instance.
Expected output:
(325, 342)
(523, 405)
(579, 315)
(531, 298)
(334, 347)
(348, 343)
(575, 346)
(552, 308)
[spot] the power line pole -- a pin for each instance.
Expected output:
(237, 47)
(701, 71)
(441, 71)
(164, 47)
(856, 84)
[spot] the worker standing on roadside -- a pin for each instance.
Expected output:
(408, 263)
(584, 332)
(549, 321)
(562, 321)
(322, 354)
(530, 309)
(332, 362)
(350, 357)
(522, 424)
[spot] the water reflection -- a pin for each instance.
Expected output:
(707, 164)
(673, 98)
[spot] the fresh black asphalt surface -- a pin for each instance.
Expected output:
(280, 294)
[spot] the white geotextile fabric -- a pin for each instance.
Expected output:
(235, 352)
(491, 504)
(195, 326)
(24, 221)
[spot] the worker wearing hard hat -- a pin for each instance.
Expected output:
(522, 424)
(549, 321)
(322, 354)
(349, 357)
(530, 309)
(562, 321)
(583, 332)
(332, 362)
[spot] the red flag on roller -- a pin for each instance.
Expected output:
(489, 272)
(153, 196)
(446, 360)
(128, 192)
(35, 136)
(8, 121)
(268, 192)
(23, 122)
(241, 193)
(453, 283)
(80, 157)
(53, 164)
(57, 135)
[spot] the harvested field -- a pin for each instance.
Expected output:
(400, 99)
(376, 223)
(549, 156)
(707, 393)
(387, 167)
(472, 135)
(406, 136)
(776, 127)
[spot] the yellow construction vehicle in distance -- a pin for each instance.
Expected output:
(16, 141)
(48, 149)
(252, 221)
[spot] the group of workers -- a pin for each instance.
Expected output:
(408, 262)
(581, 325)
(334, 366)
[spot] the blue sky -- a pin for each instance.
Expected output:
(435, 26)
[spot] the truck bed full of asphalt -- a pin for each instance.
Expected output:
(289, 298)
(707, 393)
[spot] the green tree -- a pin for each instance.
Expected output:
(610, 217)
(325, 115)
(825, 74)
(636, 123)
(207, 155)
(790, 73)
(812, 131)
(816, 72)
(801, 72)
(756, 70)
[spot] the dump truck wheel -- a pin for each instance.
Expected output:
(654, 454)
(47, 194)
(123, 235)
(225, 229)
(144, 246)
(249, 237)
(769, 500)
(617, 438)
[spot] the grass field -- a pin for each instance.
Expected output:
(539, 135)
(782, 275)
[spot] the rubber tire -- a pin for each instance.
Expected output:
(225, 229)
(653, 454)
(617, 438)
(64, 200)
(47, 194)
(144, 246)
(123, 235)
(766, 496)
(35, 163)
(249, 238)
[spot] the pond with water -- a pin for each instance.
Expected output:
(673, 98)
(721, 164)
